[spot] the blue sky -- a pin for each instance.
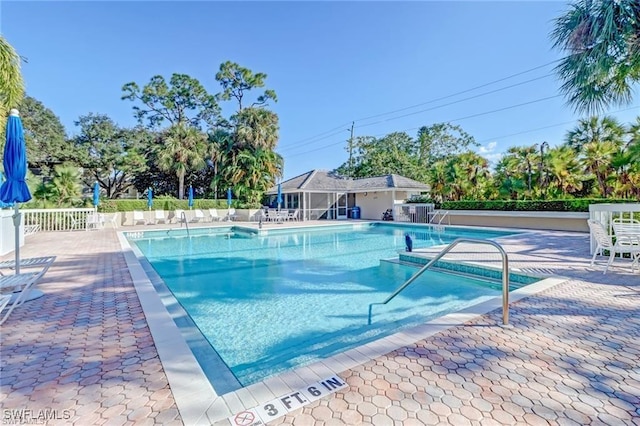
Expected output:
(330, 63)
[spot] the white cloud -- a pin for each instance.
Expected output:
(488, 152)
(488, 149)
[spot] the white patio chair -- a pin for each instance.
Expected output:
(213, 215)
(73, 223)
(624, 244)
(159, 217)
(197, 216)
(17, 287)
(293, 215)
(138, 217)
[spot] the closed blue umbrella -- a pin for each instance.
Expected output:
(96, 195)
(2, 204)
(150, 198)
(190, 196)
(279, 199)
(15, 189)
(229, 197)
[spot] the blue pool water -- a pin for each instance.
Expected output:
(272, 303)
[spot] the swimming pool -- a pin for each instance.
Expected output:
(274, 302)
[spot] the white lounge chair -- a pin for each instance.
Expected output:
(138, 217)
(30, 262)
(31, 229)
(231, 214)
(213, 215)
(180, 216)
(159, 217)
(197, 216)
(115, 218)
(17, 287)
(95, 221)
(624, 243)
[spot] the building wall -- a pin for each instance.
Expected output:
(373, 204)
(555, 221)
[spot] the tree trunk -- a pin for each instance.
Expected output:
(180, 185)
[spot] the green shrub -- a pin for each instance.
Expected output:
(160, 203)
(572, 205)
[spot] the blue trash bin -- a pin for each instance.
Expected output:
(355, 212)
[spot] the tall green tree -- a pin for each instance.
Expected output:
(44, 136)
(11, 83)
(108, 154)
(185, 107)
(184, 150)
(441, 140)
(602, 42)
(249, 163)
(236, 81)
(393, 153)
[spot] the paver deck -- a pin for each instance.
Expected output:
(570, 356)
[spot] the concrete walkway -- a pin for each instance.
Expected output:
(83, 354)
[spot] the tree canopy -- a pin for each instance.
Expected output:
(11, 83)
(602, 41)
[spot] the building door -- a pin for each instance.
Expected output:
(341, 205)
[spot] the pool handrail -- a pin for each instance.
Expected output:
(447, 249)
(184, 220)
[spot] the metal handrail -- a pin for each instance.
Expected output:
(183, 216)
(446, 214)
(505, 275)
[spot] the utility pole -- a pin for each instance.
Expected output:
(351, 151)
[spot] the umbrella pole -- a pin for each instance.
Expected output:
(16, 225)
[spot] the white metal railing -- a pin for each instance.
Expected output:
(439, 216)
(447, 249)
(414, 213)
(57, 219)
(606, 213)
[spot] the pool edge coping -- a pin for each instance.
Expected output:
(197, 400)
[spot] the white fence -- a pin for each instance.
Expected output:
(605, 213)
(414, 213)
(57, 219)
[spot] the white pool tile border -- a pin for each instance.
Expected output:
(195, 397)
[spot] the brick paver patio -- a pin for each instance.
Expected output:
(570, 356)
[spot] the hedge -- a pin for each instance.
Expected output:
(112, 206)
(572, 205)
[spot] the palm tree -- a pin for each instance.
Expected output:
(602, 40)
(253, 172)
(11, 83)
(184, 149)
(66, 186)
(595, 130)
(437, 180)
(564, 170)
(597, 160)
(525, 156)
(256, 128)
